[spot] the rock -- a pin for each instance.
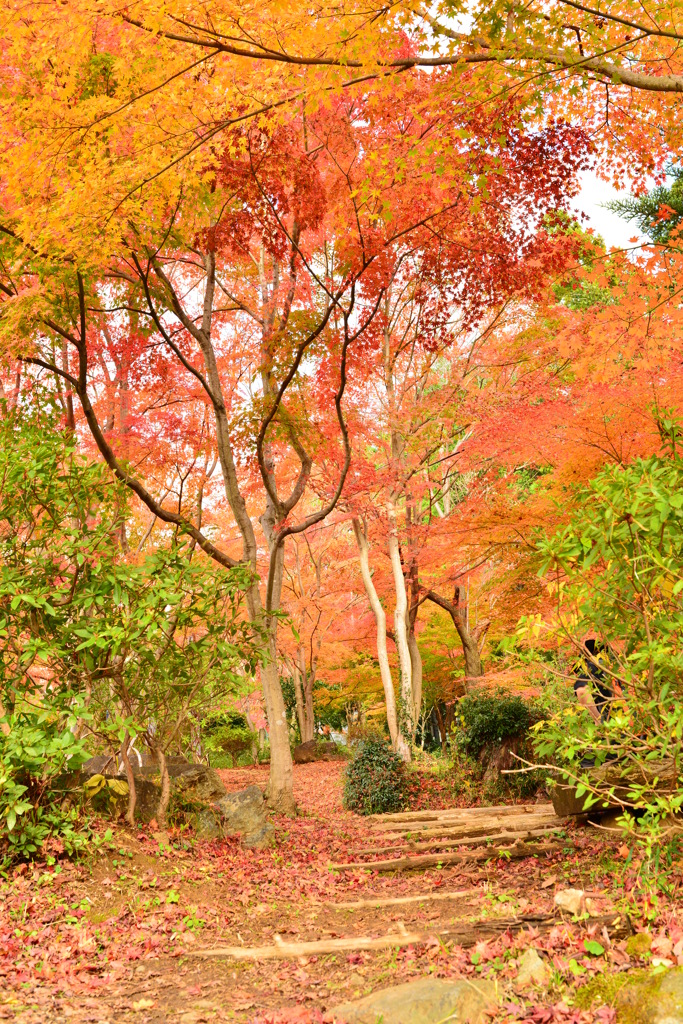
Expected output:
(532, 970)
(639, 944)
(305, 753)
(657, 1000)
(427, 1001)
(314, 750)
(199, 795)
(196, 783)
(207, 824)
(193, 787)
(574, 901)
(101, 764)
(326, 749)
(244, 812)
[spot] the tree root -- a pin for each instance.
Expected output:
(397, 901)
(465, 936)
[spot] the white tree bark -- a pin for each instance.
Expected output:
(398, 741)
(407, 715)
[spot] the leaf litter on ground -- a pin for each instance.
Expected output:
(123, 926)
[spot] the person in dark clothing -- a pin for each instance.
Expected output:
(594, 690)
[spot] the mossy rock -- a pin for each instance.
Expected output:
(604, 988)
(639, 944)
(637, 996)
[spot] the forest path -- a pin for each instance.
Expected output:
(133, 934)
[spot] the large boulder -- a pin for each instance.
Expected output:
(314, 750)
(244, 812)
(197, 793)
(427, 1001)
(304, 753)
(193, 786)
(657, 1000)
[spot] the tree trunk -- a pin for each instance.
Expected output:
(442, 728)
(470, 647)
(299, 697)
(165, 780)
(416, 664)
(406, 710)
(307, 720)
(397, 739)
(132, 794)
(279, 791)
(415, 656)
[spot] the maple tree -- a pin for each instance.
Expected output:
(310, 285)
(273, 264)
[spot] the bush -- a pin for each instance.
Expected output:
(490, 729)
(37, 749)
(487, 720)
(616, 568)
(376, 780)
(227, 740)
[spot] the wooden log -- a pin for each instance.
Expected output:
(399, 901)
(501, 836)
(497, 811)
(488, 827)
(466, 936)
(473, 821)
(514, 852)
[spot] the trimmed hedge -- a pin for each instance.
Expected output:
(376, 781)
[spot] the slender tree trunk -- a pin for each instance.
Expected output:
(304, 688)
(470, 646)
(299, 697)
(280, 789)
(164, 799)
(407, 706)
(132, 793)
(416, 665)
(70, 418)
(309, 679)
(397, 739)
(442, 728)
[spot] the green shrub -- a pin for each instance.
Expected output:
(487, 720)
(37, 749)
(227, 740)
(376, 781)
(618, 577)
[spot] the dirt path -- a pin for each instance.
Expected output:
(117, 939)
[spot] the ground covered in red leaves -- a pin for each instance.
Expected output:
(124, 934)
